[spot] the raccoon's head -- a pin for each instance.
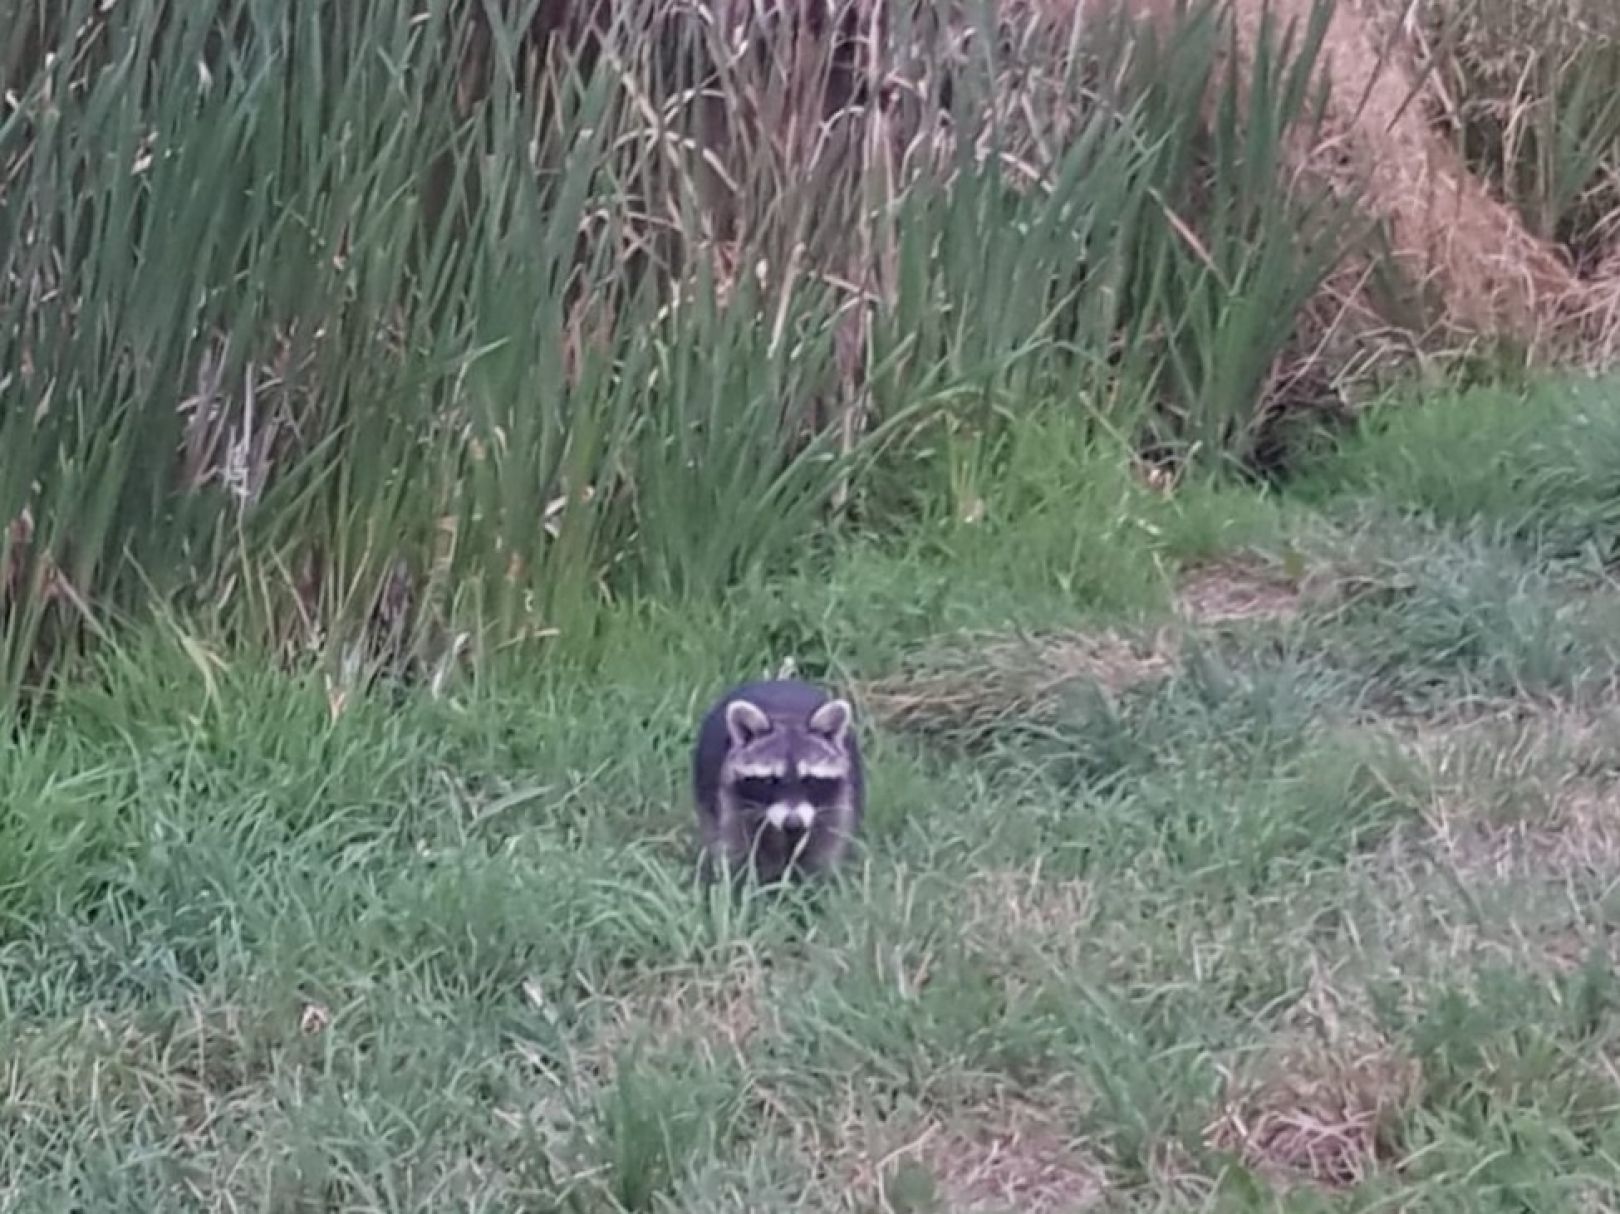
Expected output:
(787, 773)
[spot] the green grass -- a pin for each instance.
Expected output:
(1341, 862)
(1227, 850)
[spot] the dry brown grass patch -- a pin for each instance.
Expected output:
(971, 688)
(1522, 789)
(1010, 907)
(1317, 1114)
(1583, 733)
(1003, 1152)
(1317, 1107)
(722, 1013)
(1457, 261)
(1015, 1160)
(1026, 900)
(1234, 590)
(1523, 804)
(1577, 834)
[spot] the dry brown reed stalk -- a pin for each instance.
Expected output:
(1472, 265)
(793, 131)
(1505, 76)
(768, 161)
(801, 130)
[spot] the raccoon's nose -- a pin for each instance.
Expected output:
(800, 817)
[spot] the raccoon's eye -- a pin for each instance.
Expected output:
(759, 790)
(820, 789)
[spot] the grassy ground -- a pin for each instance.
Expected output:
(1225, 852)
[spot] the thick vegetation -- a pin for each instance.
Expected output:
(1225, 854)
(374, 330)
(1231, 847)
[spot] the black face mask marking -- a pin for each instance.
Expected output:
(822, 790)
(761, 790)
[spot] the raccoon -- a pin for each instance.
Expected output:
(776, 773)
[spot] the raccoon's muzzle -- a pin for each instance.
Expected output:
(791, 817)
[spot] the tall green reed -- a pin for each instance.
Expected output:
(315, 325)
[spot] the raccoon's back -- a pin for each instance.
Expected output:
(776, 698)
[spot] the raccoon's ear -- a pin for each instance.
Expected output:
(745, 722)
(831, 720)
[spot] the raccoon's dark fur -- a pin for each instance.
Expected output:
(777, 776)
